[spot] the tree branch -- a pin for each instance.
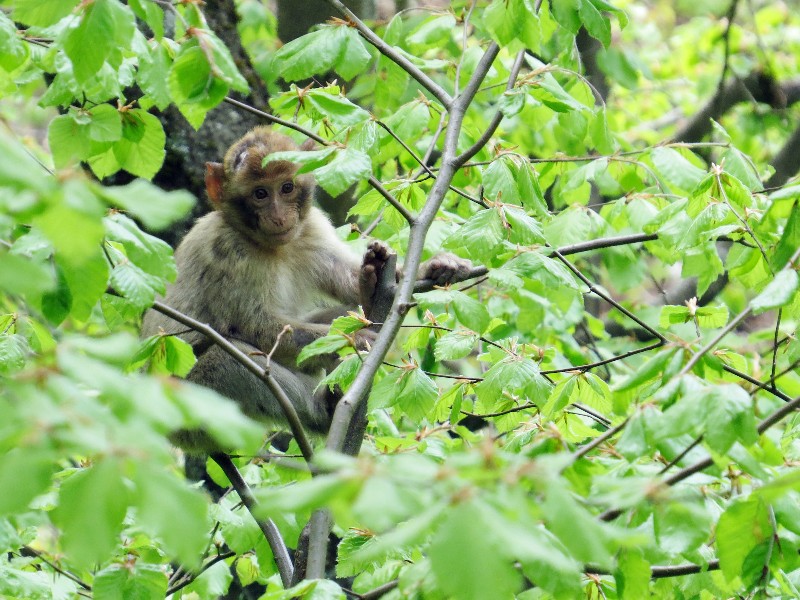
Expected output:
(389, 52)
(217, 338)
(268, 528)
(347, 406)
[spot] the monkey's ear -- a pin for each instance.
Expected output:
(309, 144)
(214, 176)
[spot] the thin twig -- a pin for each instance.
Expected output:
(190, 577)
(268, 528)
(28, 551)
(609, 433)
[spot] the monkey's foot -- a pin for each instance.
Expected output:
(375, 280)
(446, 268)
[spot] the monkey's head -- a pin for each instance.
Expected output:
(266, 204)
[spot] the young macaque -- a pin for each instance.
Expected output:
(263, 259)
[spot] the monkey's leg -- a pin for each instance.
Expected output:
(217, 370)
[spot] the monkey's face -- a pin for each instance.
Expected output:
(267, 205)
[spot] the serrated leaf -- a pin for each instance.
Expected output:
(336, 109)
(455, 344)
(499, 179)
(479, 236)
(542, 268)
(471, 313)
(523, 229)
(417, 395)
(348, 166)
(675, 169)
(153, 206)
(779, 292)
(137, 286)
(328, 48)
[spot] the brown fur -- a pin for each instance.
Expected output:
(256, 264)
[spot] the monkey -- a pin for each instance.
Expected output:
(264, 258)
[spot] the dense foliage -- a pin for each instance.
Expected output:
(636, 441)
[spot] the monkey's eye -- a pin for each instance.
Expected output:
(260, 193)
(287, 187)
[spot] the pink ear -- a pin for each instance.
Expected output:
(215, 174)
(309, 144)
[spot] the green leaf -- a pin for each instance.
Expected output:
(152, 14)
(467, 558)
(598, 25)
(479, 236)
(675, 169)
(175, 513)
(24, 472)
(136, 285)
(68, 140)
(14, 352)
(149, 252)
(729, 417)
(137, 581)
(154, 69)
(514, 376)
(542, 268)
(19, 275)
(523, 229)
(153, 206)
(328, 48)
(223, 67)
(471, 313)
(500, 181)
(512, 20)
(13, 51)
(790, 239)
(417, 395)
(681, 526)
(348, 166)
(743, 526)
(673, 315)
(324, 345)
(632, 576)
(140, 151)
(336, 109)
(712, 316)
(91, 506)
(42, 12)
(103, 26)
(779, 292)
(455, 344)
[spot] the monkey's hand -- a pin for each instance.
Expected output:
(445, 268)
(375, 280)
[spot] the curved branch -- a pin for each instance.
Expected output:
(292, 418)
(389, 52)
(268, 528)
